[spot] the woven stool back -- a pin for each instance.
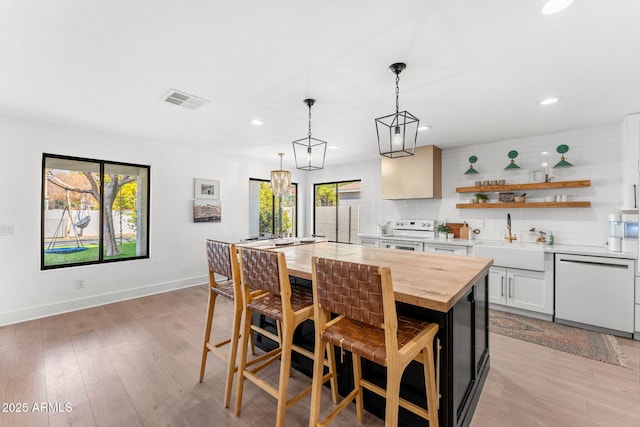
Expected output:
(350, 289)
(219, 258)
(260, 270)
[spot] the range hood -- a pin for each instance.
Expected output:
(413, 177)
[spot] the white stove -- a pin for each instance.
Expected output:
(408, 234)
(416, 228)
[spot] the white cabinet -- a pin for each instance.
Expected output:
(369, 241)
(636, 328)
(523, 289)
(630, 131)
(442, 248)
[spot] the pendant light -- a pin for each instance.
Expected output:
(398, 132)
(309, 152)
(280, 180)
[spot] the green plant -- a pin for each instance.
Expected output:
(481, 196)
(443, 229)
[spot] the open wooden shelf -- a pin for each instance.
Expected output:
(501, 205)
(530, 186)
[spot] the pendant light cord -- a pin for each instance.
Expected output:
(309, 123)
(397, 93)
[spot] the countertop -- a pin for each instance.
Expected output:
(428, 280)
(589, 250)
(601, 251)
(453, 242)
(281, 242)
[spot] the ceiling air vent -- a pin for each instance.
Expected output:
(184, 99)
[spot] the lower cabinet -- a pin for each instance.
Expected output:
(443, 248)
(523, 289)
(369, 241)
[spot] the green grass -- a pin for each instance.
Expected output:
(128, 250)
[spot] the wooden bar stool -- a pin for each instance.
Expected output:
(222, 259)
(264, 270)
(368, 326)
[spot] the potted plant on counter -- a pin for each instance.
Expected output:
(443, 230)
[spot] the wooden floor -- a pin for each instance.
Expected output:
(136, 363)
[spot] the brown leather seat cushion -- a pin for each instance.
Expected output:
(368, 341)
(271, 305)
(224, 289)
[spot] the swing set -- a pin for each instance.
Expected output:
(82, 221)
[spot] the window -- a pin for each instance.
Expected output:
(337, 211)
(264, 211)
(93, 211)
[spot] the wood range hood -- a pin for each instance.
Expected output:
(413, 177)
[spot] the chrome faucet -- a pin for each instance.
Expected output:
(510, 237)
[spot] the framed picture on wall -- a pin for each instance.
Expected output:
(207, 211)
(537, 175)
(206, 189)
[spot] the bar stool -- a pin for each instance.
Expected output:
(368, 326)
(267, 271)
(222, 259)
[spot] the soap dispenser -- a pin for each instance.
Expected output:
(550, 238)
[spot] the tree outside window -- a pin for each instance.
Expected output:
(93, 211)
(264, 220)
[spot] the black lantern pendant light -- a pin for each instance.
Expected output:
(309, 152)
(397, 133)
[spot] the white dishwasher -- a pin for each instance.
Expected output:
(596, 291)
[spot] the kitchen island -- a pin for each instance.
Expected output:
(447, 289)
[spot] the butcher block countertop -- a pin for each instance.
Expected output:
(429, 280)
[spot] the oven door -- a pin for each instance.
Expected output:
(402, 245)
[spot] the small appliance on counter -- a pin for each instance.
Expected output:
(629, 232)
(616, 230)
(623, 232)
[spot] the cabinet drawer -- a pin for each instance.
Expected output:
(447, 249)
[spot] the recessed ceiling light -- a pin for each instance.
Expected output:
(333, 147)
(555, 6)
(256, 122)
(424, 127)
(550, 100)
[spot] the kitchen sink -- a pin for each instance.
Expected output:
(526, 256)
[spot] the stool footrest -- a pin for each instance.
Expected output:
(339, 406)
(402, 402)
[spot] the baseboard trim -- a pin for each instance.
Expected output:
(46, 310)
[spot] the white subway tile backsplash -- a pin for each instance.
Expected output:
(595, 154)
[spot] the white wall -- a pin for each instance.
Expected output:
(177, 257)
(595, 154)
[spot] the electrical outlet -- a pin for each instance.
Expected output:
(79, 284)
(7, 230)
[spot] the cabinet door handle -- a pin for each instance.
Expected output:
(502, 286)
(443, 250)
(510, 287)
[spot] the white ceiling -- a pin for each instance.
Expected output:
(475, 69)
